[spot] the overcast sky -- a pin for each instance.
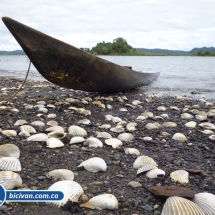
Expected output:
(167, 24)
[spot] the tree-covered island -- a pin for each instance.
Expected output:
(206, 53)
(119, 46)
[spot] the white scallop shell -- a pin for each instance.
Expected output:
(191, 124)
(161, 108)
(99, 104)
(41, 102)
(206, 201)
(94, 164)
(131, 126)
(151, 126)
(195, 106)
(132, 151)
(24, 133)
(170, 124)
(77, 131)
(141, 118)
(27, 128)
(103, 135)
(57, 135)
(75, 140)
(51, 116)
(105, 201)
(56, 129)
(40, 115)
(123, 109)
(147, 114)
(147, 139)
(122, 123)
(165, 134)
(43, 110)
(9, 133)
(212, 137)
(9, 150)
(10, 164)
(39, 106)
(125, 137)
(143, 160)
(186, 116)
(155, 173)
(50, 106)
(207, 125)
(54, 143)
(114, 142)
(211, 113)
(201, 116)
(174, 108)
(116, 119)
(194, 111)
(158, 118)
(105, 126)
(86, 112)
(117, 129)
(20, 122)
(108, 117)
(181, 176)
(165, 116)
(136, 102)
(207, 132)
(71, 190)
(38, 137)
(62, 174)
(94, 142)
(145, 168)
(10, 180)
(88, 98)
(84, 121)
(38, 123)
(180, 137)
(176, 205)
(52, 123)
(29, 107)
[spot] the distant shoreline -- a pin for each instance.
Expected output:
(203, 51)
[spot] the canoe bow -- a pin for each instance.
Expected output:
(70, 67)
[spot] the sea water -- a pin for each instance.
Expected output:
(178, 74)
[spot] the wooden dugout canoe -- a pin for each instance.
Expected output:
(70, 67)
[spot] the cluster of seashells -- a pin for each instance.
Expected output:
(202, 204)
(120, 132)
(147, 164)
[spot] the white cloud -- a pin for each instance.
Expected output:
(169, 24)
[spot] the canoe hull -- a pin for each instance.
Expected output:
(70, 67)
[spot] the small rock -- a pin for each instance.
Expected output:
(134, 184)
(146, 207)
(87, 205)
(172, 191)
(84, 197)
(157, 212)
(41, 177)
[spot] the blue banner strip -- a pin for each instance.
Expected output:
(33, 195)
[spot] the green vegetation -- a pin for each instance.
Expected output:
(206, 53)
(118, 47)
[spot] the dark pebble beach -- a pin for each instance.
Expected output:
(36, 159)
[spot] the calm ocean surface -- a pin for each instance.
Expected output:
(178, 75)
